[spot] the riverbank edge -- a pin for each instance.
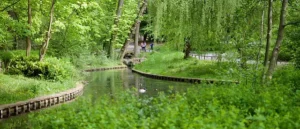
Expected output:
(105, 68)
(34, 104)
(26, 106)
(183, 79)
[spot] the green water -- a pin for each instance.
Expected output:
(104, 84)
(111, 82)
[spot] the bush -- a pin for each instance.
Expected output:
(288, 75)
(92, 60)
(6, 57)
(51, 68)
(297, 59)
(285, 55)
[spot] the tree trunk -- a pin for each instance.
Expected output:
(278, 41)
(114, 32)
(260, 44)
(140, 14)
(48, 34)
(28, 41)
(136, 38)
(269, 33)
(187, 48)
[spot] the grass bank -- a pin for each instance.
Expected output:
(27, 78)
(17, 87)
(93, 61)
(171, 63)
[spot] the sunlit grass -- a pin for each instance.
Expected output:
(15, 88)
(172, 64)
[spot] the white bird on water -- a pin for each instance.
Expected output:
(142, 90)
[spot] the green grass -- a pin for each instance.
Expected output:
(16, 88)
(34, 53)
(171, 63)
(92, 61)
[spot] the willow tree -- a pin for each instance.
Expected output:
(199, 20)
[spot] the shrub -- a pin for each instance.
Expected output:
(6, 57)
(92, 60)
(285, 55)
(59, 69)
(51, 68)
(288, 75)
(297, 59)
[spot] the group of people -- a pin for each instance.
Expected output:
(144, 45)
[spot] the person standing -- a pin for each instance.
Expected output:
(143, 45)
(151, 46)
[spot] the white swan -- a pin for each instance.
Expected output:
(142, 90)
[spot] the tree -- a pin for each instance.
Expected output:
(114, 29)
(269, 33)
(45, 44)
(28, 40)
(279, 39)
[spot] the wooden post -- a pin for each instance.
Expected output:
(40, 104)
(28, 107)
(1, 113)
(8, 112)
(57, 100)
(16, 110)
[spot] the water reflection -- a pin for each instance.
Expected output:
(113, 82)
(103, 84)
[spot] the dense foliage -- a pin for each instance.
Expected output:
(79, 26)
(51, 68)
